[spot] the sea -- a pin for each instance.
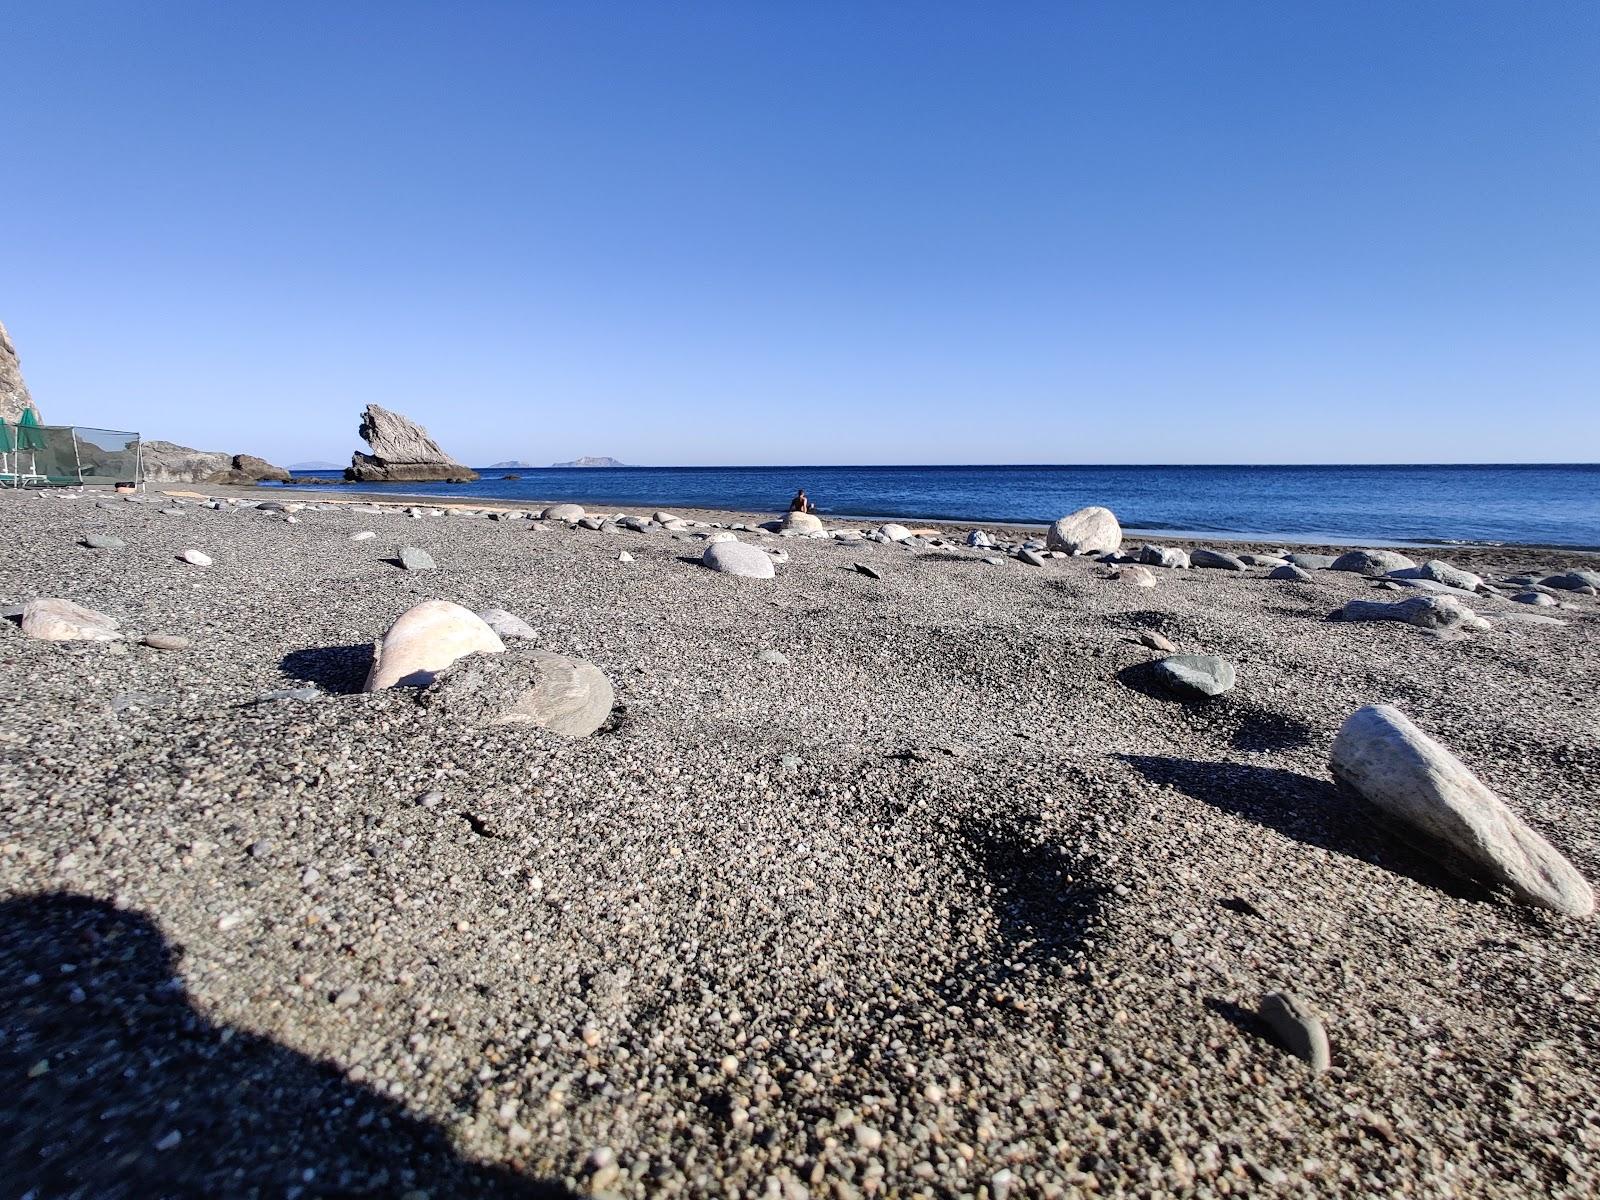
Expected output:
(1521, 504)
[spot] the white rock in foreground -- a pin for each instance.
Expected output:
(426, 639)
(196, 558)
(739, 558)
(1392, 765)
(55, 620)
(1091, 530)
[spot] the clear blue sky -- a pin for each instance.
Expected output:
(813, 232)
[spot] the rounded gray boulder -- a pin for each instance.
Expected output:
(739, 558)
(1372, 563)
(1091, 530)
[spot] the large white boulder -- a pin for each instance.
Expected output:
(1091, 530)
(801, 522)
(1407, 776)
(424, 640)
(739, 558)
(895, 533)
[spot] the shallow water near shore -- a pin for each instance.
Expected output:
(1524, 504)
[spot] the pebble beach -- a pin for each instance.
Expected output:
(893, 874)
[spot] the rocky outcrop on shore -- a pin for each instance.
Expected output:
(168, 462)
(401, 452)
(14, 394)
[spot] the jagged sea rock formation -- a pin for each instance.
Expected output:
(402, 451)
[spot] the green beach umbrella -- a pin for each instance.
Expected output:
(29, 435)
(7, 442)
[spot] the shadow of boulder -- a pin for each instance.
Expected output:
(1312, 811)
(119, 1088)
(339, 670)
(1046, 904)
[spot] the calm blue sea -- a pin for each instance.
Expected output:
(1549, 505)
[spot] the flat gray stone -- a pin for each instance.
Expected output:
(103, 541)
(1572, 581)
(1425, 612)
(1290, 573)
(304, 694)
(1216, 560)
(1031, 557)
(1312, 562)
(414, 558)
(1199, 676)
(1439, 571)
(869, 572)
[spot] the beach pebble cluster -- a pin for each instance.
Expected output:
(694, 854)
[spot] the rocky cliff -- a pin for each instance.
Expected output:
(14, 395)
(402, 451)
(168, 462)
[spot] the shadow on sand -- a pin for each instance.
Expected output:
(1308, 810)
(339, 670)
(116, 1086)
(1045, 902)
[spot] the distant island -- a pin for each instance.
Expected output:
(589, 460)
(315, 466)
(512, 463)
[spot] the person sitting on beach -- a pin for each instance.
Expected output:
(801, 502)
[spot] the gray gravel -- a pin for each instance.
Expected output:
(947, 905)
